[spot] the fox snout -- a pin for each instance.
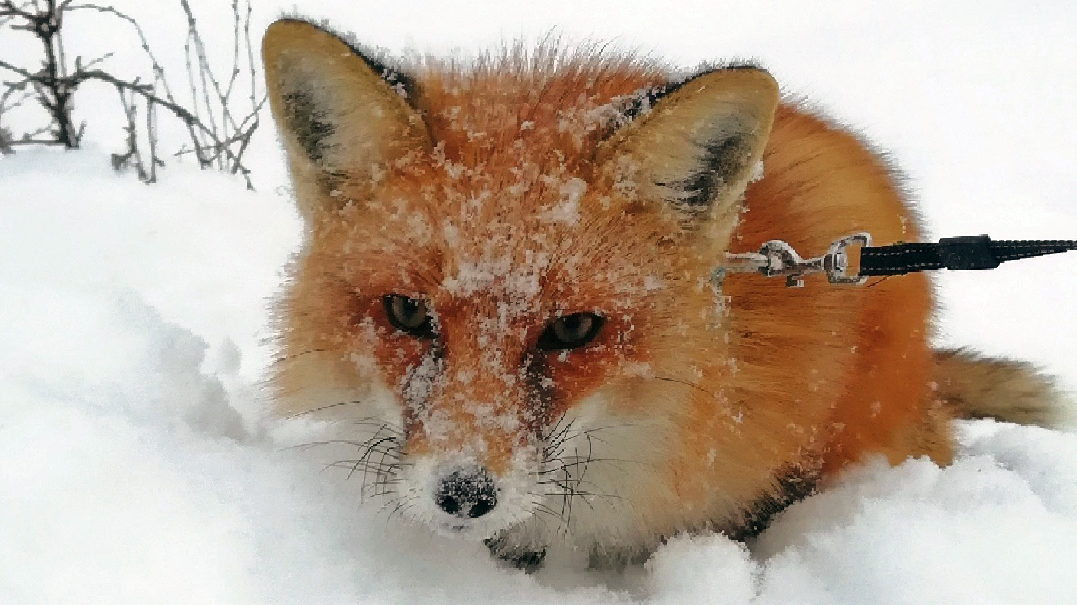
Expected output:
(462, 497)
(467, 493)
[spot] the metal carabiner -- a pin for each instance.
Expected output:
(778, 258)
(836, 261)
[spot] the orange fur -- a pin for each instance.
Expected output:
(509, 192)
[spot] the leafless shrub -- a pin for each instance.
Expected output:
(218, 135)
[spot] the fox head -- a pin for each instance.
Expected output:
(504, 264)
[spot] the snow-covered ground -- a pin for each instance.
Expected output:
(137, 464)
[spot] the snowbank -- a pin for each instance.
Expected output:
(137, 465)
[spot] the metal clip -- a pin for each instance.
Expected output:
(777, 258)
(836, 261)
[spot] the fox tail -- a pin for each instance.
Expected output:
(975, 386)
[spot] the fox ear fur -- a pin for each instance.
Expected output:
(340, 114)
(698, 146)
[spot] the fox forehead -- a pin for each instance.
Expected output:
(510, 191)
(571, 252)
(544, 111)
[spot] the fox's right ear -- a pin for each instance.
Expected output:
(340, 114)
(696, 148)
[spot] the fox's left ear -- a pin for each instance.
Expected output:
(341, 114)
(697, 147)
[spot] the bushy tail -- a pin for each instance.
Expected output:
(984, 387)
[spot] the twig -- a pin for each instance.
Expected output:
(217, 137)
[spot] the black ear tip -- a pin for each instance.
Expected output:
(291, 31)
(299, 33)
(709, 68)
(285, 28)
(640, 103)
(285, 20)
(299, 23)
(741, 64)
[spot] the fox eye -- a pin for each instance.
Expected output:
(570, 332)
(408, 315)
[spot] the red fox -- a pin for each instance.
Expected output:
(504, 296)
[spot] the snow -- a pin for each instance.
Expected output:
(138, 463)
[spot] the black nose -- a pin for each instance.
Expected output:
(466, 493)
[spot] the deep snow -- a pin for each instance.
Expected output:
(137, 464)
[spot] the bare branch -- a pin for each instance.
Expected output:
(29, 77)
(218, 137)
(9, 10)
(132, 157)
(18, 142)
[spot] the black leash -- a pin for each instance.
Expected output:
(968, 253)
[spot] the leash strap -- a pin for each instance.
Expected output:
(777, 258)
(967, 253)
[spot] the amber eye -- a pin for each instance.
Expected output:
(409, 315)
(570, 331)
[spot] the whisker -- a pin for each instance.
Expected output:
(567, 464)
(370, 449)
(405, 504)
(554, 446)
(353, 464)
(576, 485)
(358, 444)
(584, 494)
(300, 354)
(382, 426)
(316, 410)
(557, 436)
(390, 502)
(328, 407)
(685, 383)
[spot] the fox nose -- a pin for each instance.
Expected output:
(466, 493)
